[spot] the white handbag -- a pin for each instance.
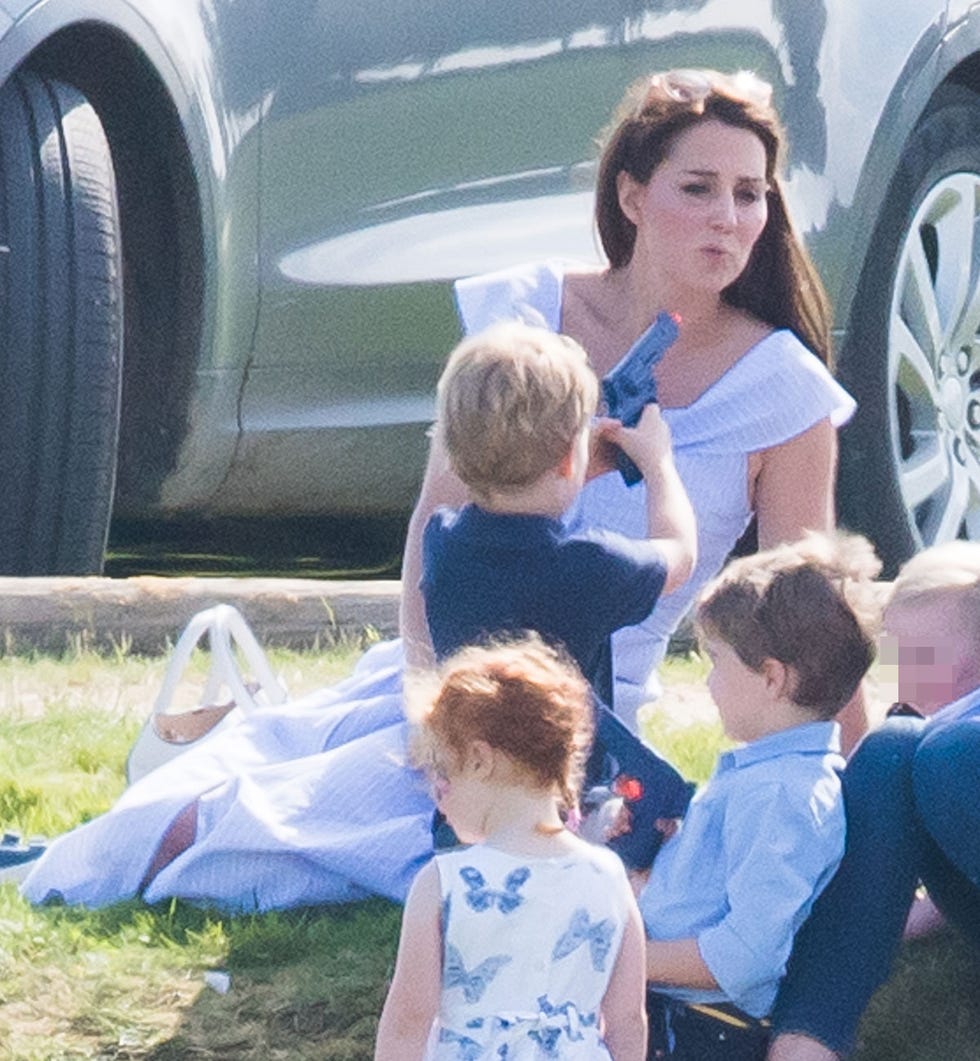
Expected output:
(226, 696)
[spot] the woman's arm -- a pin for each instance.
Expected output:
(441, 486)
(791, 486)
(413, 998)
(624, 1003)
(792, 490)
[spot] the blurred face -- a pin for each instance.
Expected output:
(928, 654)
(740, 693)
(703, 208)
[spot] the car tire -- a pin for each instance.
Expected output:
(61, 333)
(910, 460)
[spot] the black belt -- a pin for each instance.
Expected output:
(704, 1031)
(728, 1014)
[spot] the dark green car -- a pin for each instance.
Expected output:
(228, 232)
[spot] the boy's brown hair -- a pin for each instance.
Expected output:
(511, 402)
(522, 697)
(812, 605)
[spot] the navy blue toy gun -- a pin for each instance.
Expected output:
(630, 385)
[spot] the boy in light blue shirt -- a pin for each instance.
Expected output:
(790, 636)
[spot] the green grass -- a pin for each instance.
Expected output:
(129, 982)
(930, 1008)
(66, 725)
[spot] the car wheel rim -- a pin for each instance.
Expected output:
(934, 364)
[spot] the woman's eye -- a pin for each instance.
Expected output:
(748, 196)
(696, 189)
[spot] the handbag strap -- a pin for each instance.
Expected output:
(226, 629)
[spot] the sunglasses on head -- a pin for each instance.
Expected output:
(690, 86)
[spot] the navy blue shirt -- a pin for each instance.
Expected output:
(484, 573)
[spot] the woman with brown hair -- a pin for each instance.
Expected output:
(312, 802)
(692, 219)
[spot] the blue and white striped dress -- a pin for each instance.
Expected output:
(774, 392)
(313, 802)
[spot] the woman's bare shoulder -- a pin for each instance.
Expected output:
(584, 296)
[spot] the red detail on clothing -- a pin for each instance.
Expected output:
(629, 788)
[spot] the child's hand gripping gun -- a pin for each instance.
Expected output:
(630, 385)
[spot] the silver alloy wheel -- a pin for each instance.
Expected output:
(934, 364)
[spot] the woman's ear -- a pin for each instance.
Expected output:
(629, 192)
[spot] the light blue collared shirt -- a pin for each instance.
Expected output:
(758, 843)
(966, 707)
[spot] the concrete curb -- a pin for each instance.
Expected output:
(147, 613)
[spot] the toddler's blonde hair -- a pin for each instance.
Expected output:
(511, 402)
(950, 571)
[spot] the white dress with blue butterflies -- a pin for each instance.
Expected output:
(529, 945)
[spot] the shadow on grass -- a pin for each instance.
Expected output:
(131, 982)
(310, 984)
(929, 1010)
(303, 984)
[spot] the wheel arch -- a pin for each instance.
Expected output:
(938, 62)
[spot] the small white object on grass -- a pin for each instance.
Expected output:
(218, 980)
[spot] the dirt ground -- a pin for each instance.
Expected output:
(687, 702)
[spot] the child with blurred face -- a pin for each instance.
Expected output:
(913, 810)
(931, 627)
